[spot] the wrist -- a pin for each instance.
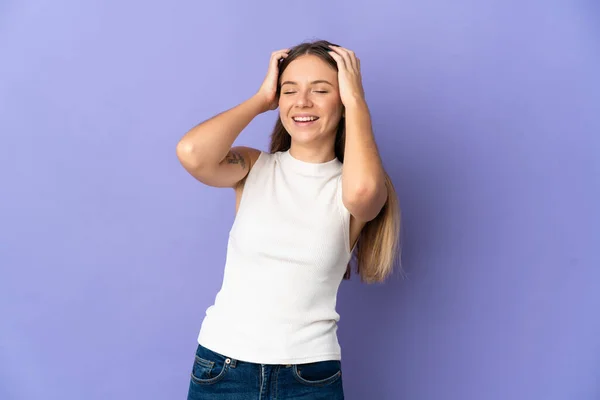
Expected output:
(355, 103)
(258, 103)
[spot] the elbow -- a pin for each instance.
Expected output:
(366, 201)
(188, 155)
(360, 192)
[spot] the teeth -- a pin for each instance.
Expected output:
(304, 119)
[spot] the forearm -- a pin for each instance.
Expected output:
(209, 142)
(362, 171)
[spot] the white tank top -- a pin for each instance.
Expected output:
(287, 253)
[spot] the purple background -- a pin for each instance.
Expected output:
(487, 117)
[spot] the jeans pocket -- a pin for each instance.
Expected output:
(320, 373)
(209, 367)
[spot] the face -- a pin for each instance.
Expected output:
(310, 107)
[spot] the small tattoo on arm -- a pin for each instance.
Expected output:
(236, 158)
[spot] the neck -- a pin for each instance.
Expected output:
(309, 154)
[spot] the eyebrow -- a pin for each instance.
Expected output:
(312, 83)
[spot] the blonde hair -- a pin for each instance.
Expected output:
(378, 247)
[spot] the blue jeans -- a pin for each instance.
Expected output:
(218, 377)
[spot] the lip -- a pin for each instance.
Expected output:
(304, 123)
(304, 116)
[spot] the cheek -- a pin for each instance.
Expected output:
(284, 105)
(333, 113)
(283, 115)
(331, 107)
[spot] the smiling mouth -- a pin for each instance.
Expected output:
(305, 119)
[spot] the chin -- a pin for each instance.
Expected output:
(304, 137)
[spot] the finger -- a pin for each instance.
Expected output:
(350, 57)
(280, 54)
(280, 51)
(338, 59)
(355, 61)
(277, 56)
(345, 55)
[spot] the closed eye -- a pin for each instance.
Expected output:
(315, 91)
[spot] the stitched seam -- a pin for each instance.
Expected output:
(300, 360)
(276, 385)
(345, 224)
(262, 372)
(210, 381)
(322, 382)
(206, 363)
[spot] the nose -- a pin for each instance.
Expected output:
(303, 100)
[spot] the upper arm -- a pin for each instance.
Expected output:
(231, 171)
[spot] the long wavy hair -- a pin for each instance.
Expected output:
(378, 247)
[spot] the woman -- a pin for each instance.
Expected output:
(300, 210)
